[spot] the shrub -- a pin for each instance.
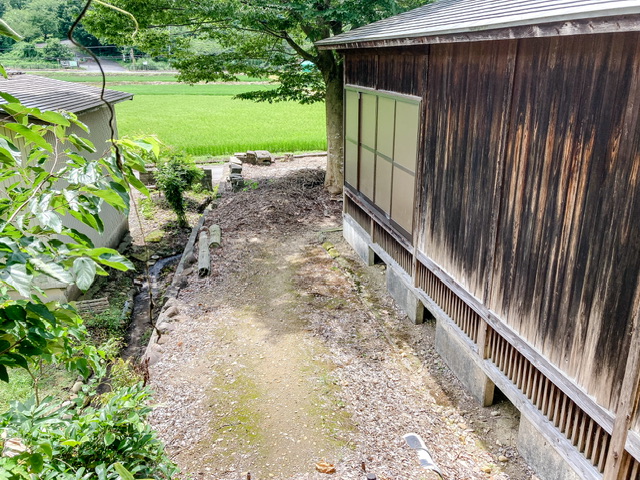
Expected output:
(76, 441)
(175, 175)
(54, 50)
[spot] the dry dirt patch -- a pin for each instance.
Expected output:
(284, 357)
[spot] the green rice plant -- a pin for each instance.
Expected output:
(221, 125)
(150, 77)
(222, 89)
(111, 77)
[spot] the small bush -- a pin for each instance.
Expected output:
(175, 175)
(54, 50)
(77, 441)
(106, 325)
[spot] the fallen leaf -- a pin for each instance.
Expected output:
(324, 467)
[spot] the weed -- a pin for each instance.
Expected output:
(253, 185)
(105, 325)
(147, 207)
(146, 336)
(123, 375)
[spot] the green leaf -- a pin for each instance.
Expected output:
(37, 462)
(53, 270)
(41, 311)
(17, 277)
(86, 219)
(79, 237)
(52, 117)
(115, 260)
(47, 448)
(4, 376)
(70, 443)
(3, 72)
(18, 359)
(111, 197)
(7, 31)
(9, 98)
(9, 151)
(84, 270)
(30, 135)
(141, 187)
(50, 220)
(123, 472)
(81, 143)
(109, 438)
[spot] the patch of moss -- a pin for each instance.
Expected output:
(154, 236)
(236, 395)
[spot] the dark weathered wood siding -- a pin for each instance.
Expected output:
(568, 247)
(394, 70)
(469, 90)
(530, 186)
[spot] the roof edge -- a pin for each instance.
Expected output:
(471, 29)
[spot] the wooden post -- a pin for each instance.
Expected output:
(627, 405)
(215, 236)
(204, 257)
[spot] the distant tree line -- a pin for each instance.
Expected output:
(44, 24)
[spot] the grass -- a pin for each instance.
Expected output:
(55, 381)
(220, 125)
(111, 77)
(204, 119)
(127, 77)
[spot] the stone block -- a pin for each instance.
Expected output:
(148, 178)
(358, 239)
(463, 362)
(400, 289)
(207, 179)
(541, 455)
(259, 157)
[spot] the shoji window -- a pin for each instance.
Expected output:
(381, 150)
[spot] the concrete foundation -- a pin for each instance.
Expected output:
(547, 452)
(463, 362)
(399, 287)
(359, 240)
(540, 454)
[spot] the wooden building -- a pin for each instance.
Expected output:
(492, 160)
(48, 94)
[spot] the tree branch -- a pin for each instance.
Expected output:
(299, 50)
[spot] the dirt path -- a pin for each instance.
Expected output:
(285, 357)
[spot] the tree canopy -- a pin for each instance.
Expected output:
(256, 37)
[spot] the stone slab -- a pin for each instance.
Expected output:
(463, 361)
(540, 454)
(359, 240)
(399, 287)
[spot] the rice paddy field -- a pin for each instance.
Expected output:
(205, 119)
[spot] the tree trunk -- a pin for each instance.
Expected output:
(334, 179)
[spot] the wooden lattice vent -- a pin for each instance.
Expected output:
(393, 247)
(97, 305)
(580, 429)
(358, 214)
(630, 468)
(452, 305)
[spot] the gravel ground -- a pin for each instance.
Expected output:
(285, 357)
